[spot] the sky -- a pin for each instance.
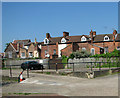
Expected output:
(30, 20)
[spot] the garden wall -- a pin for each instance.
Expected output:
(81, 65)
(19, 62)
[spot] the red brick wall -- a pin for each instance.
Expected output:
(68, 50)
(84, 45)
(50, 49)
(23, 50)
(78, 46)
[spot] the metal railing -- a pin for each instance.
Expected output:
(76, 66)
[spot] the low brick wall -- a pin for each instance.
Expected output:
(52, 64)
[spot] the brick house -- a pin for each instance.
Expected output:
(32, 49)
(65, 45)
(54, 47)
(13, 49)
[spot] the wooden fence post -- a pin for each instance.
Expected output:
(56, 67)
(10, 71)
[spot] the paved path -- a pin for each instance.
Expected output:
(66, 85)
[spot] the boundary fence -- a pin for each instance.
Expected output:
(76, 66)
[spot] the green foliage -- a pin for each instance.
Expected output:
(115, 53)
(64, 59)
(36, 58)
(6, 45)
(48, 73)
(79, 54)
(71, 56)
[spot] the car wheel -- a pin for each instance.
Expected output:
(31, 68)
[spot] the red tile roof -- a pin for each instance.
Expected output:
(14, 45)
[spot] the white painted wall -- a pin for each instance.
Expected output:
(36, 54)
(60, 47)
(26, 47)
(39, 46)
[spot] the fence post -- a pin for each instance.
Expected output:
(27, 72)
(10, 71)
(73, 67)
(56, 67)
(91, 66)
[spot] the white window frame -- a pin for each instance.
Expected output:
(83, 49)
(83, 38)
(46, 52)
(46, 41)
(118, 48)
(106, 37)
(54, 52)
(22, 55)
(30, 54)
(10, 54)
(63, 40)
(94, 51)
(106, 48)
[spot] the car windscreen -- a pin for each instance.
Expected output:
(33, 62)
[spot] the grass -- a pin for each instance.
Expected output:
(5, 68)
(8, 80)
(48, 73)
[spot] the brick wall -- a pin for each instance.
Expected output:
(50, 49)
(52, 64)
(68, 50)
(84, 45)
(31, 49)
(23, 50)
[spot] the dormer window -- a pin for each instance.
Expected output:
(83, 38)
(63, 40)
(46, 41)
(106, 38)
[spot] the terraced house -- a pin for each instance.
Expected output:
(54, 47)
(93, 43)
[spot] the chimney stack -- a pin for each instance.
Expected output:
(18, 47)
(65, 34)
(114, 33)
(47, 35)
(94, 33)
(35, 40)
(91, 35)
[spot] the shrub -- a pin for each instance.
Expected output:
(64, 59)
(79, 54)
(71, 56)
